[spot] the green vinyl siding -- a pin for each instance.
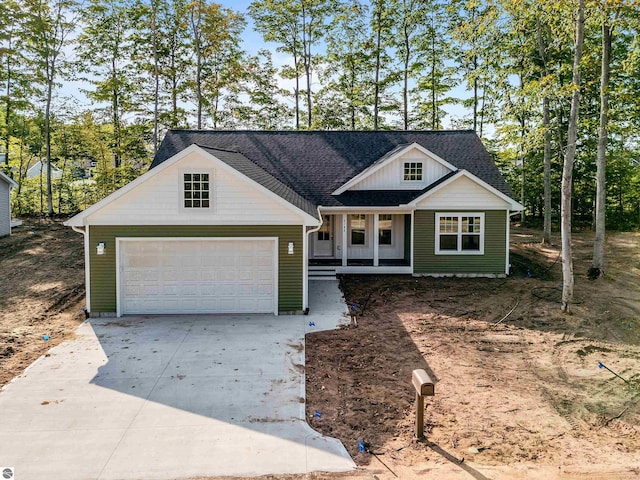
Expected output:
(491, 262)
(103, 267)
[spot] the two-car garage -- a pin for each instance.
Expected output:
(197, 275)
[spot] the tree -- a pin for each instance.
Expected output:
(216, 33)
(433, 70)
(279, 21)
(49, 25)
(13, 71)
(104, 49)
(256, 102)
(348, 81)
(382, 18)
(607, 28)
(567, 172)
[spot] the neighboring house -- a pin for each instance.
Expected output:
(40, 168)
(237, 221)
(6, 184)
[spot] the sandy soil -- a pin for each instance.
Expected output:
(517, 396)
(41, 292)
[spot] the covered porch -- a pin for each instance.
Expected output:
(362, 242)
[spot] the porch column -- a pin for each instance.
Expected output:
(345, 243)
(376, 240)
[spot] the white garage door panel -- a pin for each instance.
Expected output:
(197, 276)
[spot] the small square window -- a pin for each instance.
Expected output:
(196, 190)
(413, 172)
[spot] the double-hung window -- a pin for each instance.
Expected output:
(459, 233)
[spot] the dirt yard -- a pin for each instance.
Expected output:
(518, 395)
(518, 390)
(41, 292)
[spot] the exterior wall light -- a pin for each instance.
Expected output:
(290, 248)
(100, 248)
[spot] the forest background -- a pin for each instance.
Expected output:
(89, 88)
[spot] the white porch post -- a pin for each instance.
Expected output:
(305, 268)
(345, 243)
(376, 240)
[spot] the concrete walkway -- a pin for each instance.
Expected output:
(171, 397)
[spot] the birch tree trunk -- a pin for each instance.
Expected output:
(597, 266)
(567, 172)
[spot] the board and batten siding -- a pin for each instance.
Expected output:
(103, 267)
(5, 208)
(492, 262)
(391, 176)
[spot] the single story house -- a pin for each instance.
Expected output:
(6, 184)
(237, 221)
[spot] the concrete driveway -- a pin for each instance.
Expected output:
(171, 397)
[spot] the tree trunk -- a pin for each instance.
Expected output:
(376, 86)
(567, 172)
(296, 65)
(7, 110)
(597, 266)
(405, 85)
(546, 237)
(47, 139)
(156, 74)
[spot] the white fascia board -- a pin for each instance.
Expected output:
(513, 205)
(370, 209)
(8, 179)
(374, 168)
(81, 218)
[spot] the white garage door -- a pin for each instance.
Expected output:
(197, 276)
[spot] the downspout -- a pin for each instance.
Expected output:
(305, 286)
(85, 233)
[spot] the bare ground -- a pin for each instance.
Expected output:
(522, 398)
(517, 395)
(41, 292)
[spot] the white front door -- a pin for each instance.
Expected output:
(323, 239)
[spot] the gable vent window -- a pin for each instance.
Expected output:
(196, 190)
(413, 171)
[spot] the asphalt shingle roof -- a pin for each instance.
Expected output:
(313, 164)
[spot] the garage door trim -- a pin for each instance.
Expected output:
(120, 240)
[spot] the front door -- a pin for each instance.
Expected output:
(323, 240)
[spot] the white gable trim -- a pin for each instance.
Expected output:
(377, 166)
(513, 205)
(8, 179)
(81, 218)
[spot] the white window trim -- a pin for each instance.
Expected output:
(439, 215)
(393, 221)
(212, 191)
(413, 182)
(366, 228)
